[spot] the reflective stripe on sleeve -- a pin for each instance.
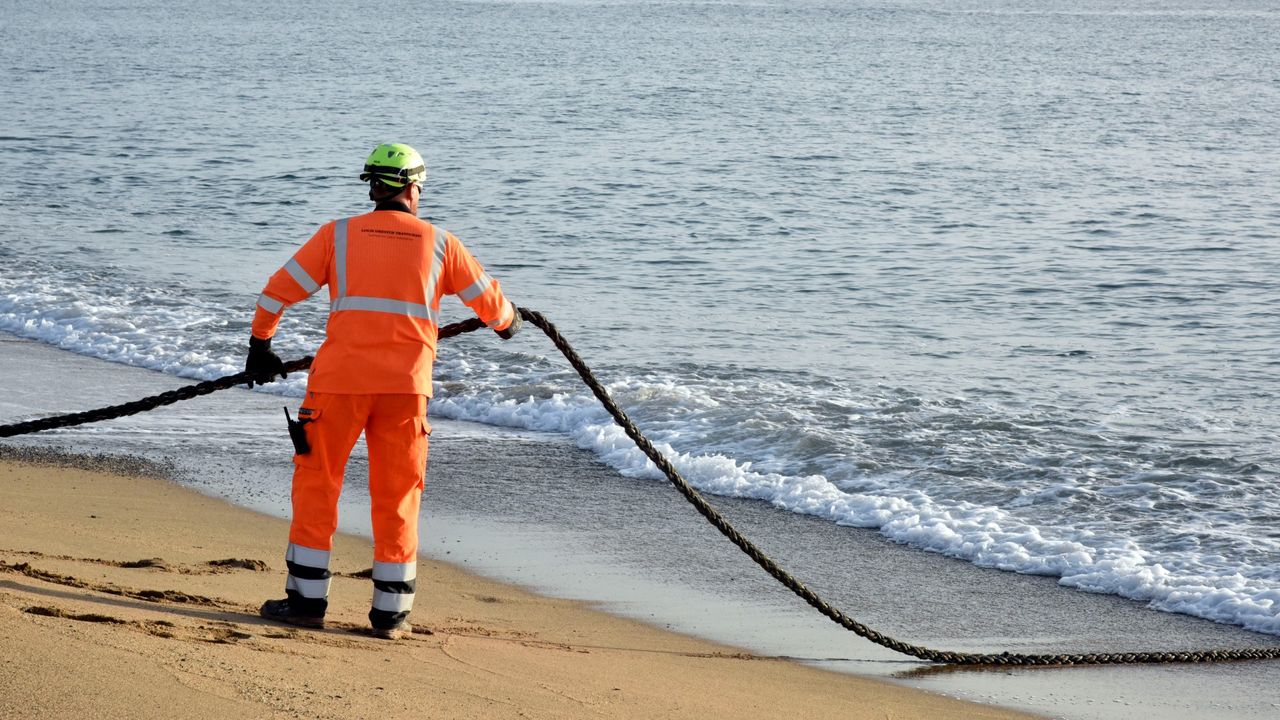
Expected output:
(475, 289)
(270, 304)
(392, 602)
(395, 307)
(340, 255)
(300, 276)
(310, 557)
(314, 589)
(395, 572)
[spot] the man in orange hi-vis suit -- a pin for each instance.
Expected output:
(386, 271)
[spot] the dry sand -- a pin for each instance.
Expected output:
(126, 596)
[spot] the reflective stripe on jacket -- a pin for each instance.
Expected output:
(386, 271)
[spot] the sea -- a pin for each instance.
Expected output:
(995, 280)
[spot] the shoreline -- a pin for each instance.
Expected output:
(149, 591)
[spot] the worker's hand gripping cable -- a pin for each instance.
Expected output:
(263, 365)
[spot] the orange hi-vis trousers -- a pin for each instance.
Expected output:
(396, 431)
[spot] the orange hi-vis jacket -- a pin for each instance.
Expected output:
(386, 271)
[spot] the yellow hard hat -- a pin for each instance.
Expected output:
(394, 164)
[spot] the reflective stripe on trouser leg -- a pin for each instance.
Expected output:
(393, 589)
(308, 582)
(308, 571)
(397, 437)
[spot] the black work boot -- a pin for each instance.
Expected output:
(287, 611)
(395, 632)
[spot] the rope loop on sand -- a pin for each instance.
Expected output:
(700, 503)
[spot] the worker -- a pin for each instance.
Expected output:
(386, 271)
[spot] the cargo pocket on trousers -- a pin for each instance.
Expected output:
(423, 429)
(304, 454)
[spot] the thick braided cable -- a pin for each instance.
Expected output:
(703, 507)
(822, 606)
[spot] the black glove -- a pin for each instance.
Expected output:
(263, 365)
(516, 323)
